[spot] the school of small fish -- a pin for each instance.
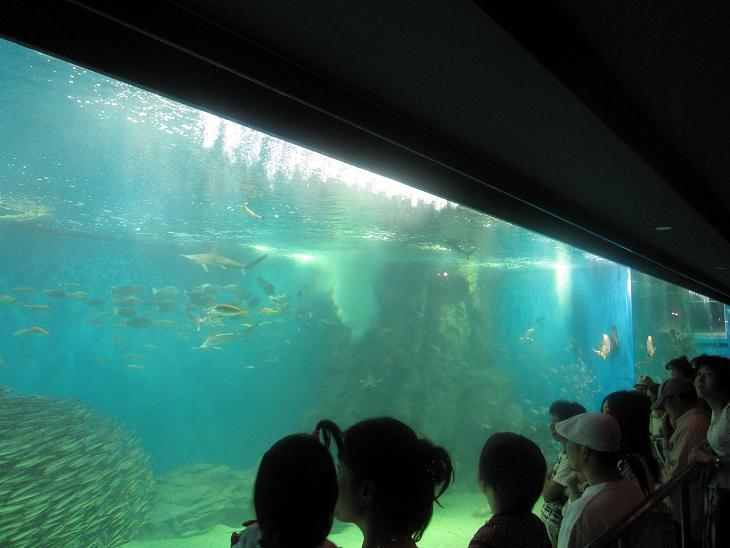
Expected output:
(217, 314)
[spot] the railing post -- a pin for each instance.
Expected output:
(684, 515)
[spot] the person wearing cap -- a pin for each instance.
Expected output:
(593, 441)
(678, 398)
(554, 492)
(681, 368)
(643, 383)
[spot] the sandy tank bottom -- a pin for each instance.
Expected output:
(452, 527)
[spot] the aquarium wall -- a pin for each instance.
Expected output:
(179, 291)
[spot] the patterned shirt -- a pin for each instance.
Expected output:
(511, 532)
(552, 512)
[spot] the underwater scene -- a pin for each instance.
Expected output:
(179, 291)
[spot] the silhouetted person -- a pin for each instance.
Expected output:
(389, 480)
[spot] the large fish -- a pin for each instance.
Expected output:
(613, 338)
(650, 348)
(605, 349)
(212, 258)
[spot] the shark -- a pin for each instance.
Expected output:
(212, 258)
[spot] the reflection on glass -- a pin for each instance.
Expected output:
(179, 291)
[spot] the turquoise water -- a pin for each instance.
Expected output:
(368, 298)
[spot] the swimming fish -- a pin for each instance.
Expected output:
(613, 337)
(29, 213)
(280, 300)
(528, 335)
(55, 293)
(605, 349)
(23, 289)
(138, 322)
(214, 259)
(248, 211)
(135, 366)
(125, 312)
(167, 292)
(265, 286)
(35, 329)
(165, 306)
(6, 299)
(38, 307)
(213, 340)
(270, 310)
(79, 295)
(227, 310)
(197, 319)
(304, 291)
(72, 285)
(164, 324)
(650, 348)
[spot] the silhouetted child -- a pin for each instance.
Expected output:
(511, 475)
(294, 497)
(389, 479)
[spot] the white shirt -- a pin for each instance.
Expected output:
(598, 509)
(718, 435)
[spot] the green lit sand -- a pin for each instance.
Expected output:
(452, 526)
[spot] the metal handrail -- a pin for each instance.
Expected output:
(619, 532)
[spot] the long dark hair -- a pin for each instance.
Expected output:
(632, 410)
(408, 473)
(295, 493)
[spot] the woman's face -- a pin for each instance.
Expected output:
(605, 408)
(706, 383)
(347, 507)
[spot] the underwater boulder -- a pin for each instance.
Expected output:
(193, 499)
(68, 475)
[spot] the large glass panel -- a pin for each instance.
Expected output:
(178, 292)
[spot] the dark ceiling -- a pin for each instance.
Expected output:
(591, 122)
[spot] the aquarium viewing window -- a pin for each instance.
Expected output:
(179, 291)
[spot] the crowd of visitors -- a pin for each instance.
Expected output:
(387, 479)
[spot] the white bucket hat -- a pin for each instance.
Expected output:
(598, 431)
